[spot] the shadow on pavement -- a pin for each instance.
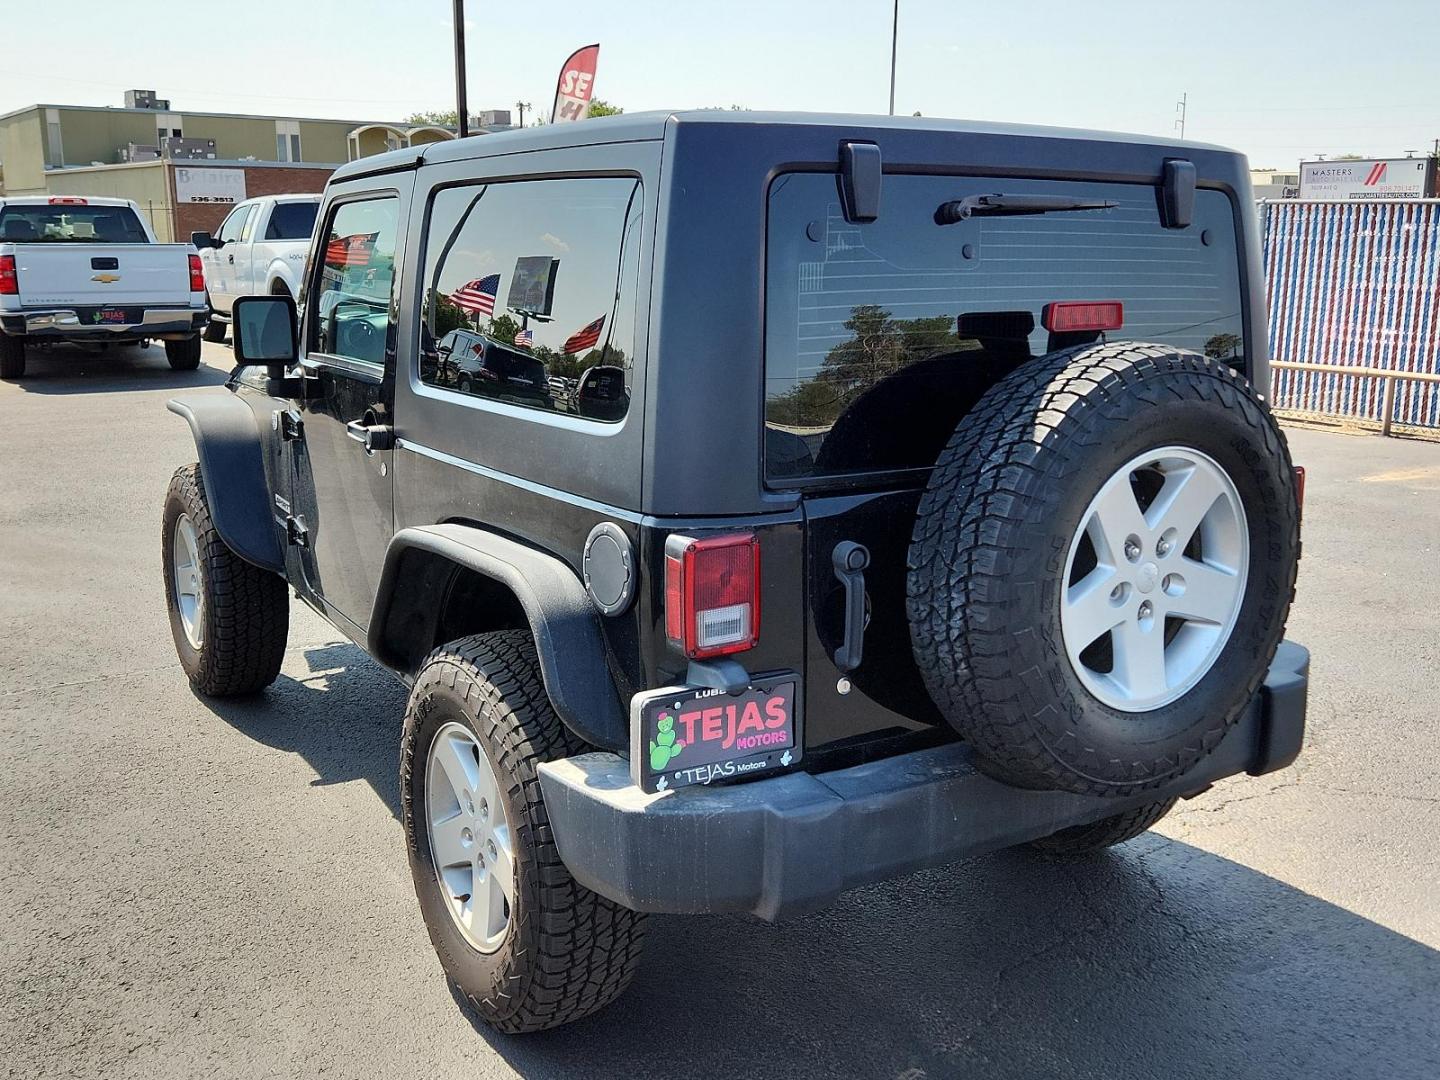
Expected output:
(1157, 959)
(68, 370)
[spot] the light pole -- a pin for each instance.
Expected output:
(522, 106)
(894, 40)
(462, 113)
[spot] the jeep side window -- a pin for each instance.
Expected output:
(530, 284)
(352, 303)
(880, 336)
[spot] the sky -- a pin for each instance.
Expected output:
(1280, 82)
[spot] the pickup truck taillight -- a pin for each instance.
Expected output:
(197, 274)
(9, 281)
(712, 594)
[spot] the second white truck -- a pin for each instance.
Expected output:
(259, 248)
(88, 272)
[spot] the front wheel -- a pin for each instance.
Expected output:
(229, 619)
(12, 357)
(183, 355)
(528, 946)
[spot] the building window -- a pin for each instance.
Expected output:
(287, 140)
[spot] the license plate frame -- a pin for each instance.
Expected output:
(692, 709)
(112, 316)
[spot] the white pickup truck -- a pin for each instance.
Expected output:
(260, 248)
(89, 272)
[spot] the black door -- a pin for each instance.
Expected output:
(341, 463)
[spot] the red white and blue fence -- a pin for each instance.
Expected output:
(1355, 285)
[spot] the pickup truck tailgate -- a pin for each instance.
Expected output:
(103, 274)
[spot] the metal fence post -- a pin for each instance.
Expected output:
(1387, 406)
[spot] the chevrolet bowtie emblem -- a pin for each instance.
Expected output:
(106, 279)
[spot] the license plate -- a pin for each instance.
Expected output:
(112, 315)
(683, 735)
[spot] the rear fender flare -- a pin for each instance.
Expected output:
(561, 617)
(232, 465)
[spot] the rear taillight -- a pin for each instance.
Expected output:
(197, 274)
(712, 594)
(1069, 316)
(68, 200)
(9, 281)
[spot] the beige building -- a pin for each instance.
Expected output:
(134, 151)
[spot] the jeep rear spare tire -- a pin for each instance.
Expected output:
(1102, 565)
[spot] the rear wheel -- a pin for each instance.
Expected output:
(183, 355)
(527, 945)
(1102, 565)
(229, 619)
(12, 357)
(1107, 832)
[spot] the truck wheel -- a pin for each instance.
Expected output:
(214, 331)
(229, 619)
(12, 357)
(1101, 566)
(183, 355)
(527, 945)
(1107, 832)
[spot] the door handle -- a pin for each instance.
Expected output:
(850, 560)
(372, 436)
(231, 258)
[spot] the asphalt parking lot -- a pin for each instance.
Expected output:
(191, 887)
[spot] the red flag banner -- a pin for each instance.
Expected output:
(585, 338)
(576, 85)
(353, 250)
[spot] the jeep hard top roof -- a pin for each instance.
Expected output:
(650, 126)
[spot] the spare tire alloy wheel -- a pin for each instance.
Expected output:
(1102, 565)
(1155, 577)
(469, 837)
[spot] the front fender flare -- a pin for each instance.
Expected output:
(562, 620)
(232, 466)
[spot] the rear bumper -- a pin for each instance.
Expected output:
(793, 843)
(69, 324)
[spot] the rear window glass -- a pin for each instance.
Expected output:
(75, 224)
(879, 336)
(292, 221)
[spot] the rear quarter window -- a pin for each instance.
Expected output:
(880, 336)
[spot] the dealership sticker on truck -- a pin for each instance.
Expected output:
(684, 735)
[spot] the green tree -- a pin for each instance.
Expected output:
(1223, 346)
(441, 117)
(601, 107)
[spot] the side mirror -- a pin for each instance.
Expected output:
(201, 240)
(265, 332)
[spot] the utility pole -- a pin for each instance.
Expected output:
(462, 111)
(894, 40)
(1182, 106)
(522, 106)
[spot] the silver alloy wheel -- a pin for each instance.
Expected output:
(470, 838)
(185, 573)
(1154, 579)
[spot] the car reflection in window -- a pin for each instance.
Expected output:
(601, 394)
(472, 363)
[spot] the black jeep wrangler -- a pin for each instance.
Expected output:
(927, 503)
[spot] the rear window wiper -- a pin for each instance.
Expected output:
(997, 205)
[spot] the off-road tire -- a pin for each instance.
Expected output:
(246, 610)
(989, 549)
(214, 331)
(184, 355)
(1107, 832)
(567, 951)
(12, 357)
